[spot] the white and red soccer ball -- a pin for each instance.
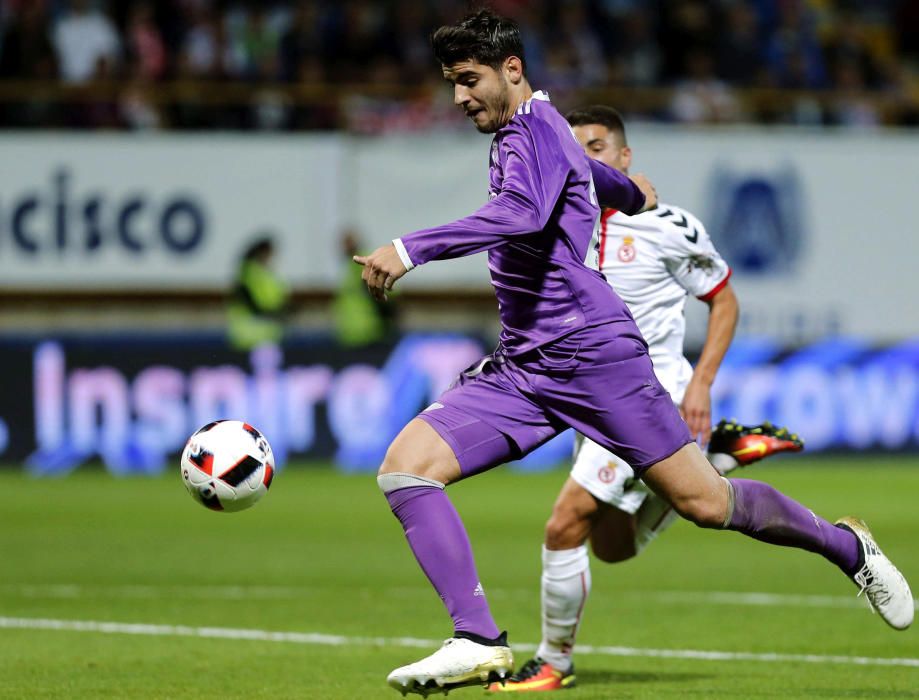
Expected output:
(227, 465)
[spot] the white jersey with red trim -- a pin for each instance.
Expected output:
(654, 260)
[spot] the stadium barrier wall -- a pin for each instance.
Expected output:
(133, 401)
(816, 224)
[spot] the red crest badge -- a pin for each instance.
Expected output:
(626, 252)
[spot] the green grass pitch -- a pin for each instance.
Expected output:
(322, 555)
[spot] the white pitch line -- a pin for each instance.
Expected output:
(757, 599)
(152, 592)
(414, 642)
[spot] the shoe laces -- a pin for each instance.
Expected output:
(876, 593)
(528, 670)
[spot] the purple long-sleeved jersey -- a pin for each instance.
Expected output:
(540, 229)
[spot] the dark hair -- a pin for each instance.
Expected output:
(262, 245)
(483, 37)
(599, 114)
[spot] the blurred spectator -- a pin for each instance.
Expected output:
(702, 98)
(308, 61)
(906, 26)
(793, 52)
(252, 44)
(137, 107)
(739, 49)
(412, 27)
(25, 49)
(636, 54)
(360, 37)
(202, 49)
(145, 43)
(87, 44)
(319, 114)
(26, 54)
(260, 301)
(359, 318)
(579, 35)
(561, 69)
(534, 26)
(302, 42)
(852, 107)
(687, 27)
(260, 40)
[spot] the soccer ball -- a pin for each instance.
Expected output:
(227, 465)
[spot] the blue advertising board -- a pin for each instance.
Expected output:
(132, 401)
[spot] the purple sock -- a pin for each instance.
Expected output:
(440, 544)
(770, 516)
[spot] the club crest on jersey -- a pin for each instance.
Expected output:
(607, 474)
(626, 251)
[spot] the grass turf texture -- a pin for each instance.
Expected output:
(323, 554)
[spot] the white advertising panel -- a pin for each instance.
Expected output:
(115, 212)
(818, 226)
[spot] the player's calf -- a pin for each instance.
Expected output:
(614, 535)
(572, 517)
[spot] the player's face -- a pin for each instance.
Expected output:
(482, 92)
(604, 145)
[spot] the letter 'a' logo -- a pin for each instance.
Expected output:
(757, 218)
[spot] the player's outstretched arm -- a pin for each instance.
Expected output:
(616, 190)
(381, 270)
(529, 192)
(697, 401)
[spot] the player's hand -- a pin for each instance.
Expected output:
(381, 270)
(647, 189)
(696, 410)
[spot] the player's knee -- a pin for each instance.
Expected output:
(567, 528)
(405, 462)
(703, 510)
(419, 451)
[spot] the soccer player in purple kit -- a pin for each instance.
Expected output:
(569, 355)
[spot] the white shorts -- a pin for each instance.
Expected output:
(607, 477)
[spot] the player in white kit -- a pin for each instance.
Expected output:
(653, 260)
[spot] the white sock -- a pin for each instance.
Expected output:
(565, 587)
(723, 462)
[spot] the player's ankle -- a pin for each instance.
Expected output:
(499, 641)
(558, 660)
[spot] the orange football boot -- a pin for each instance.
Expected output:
(535, 675)
(751, 443)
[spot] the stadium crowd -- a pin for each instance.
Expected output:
(367, 66)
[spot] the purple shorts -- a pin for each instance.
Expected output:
(597, 380)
